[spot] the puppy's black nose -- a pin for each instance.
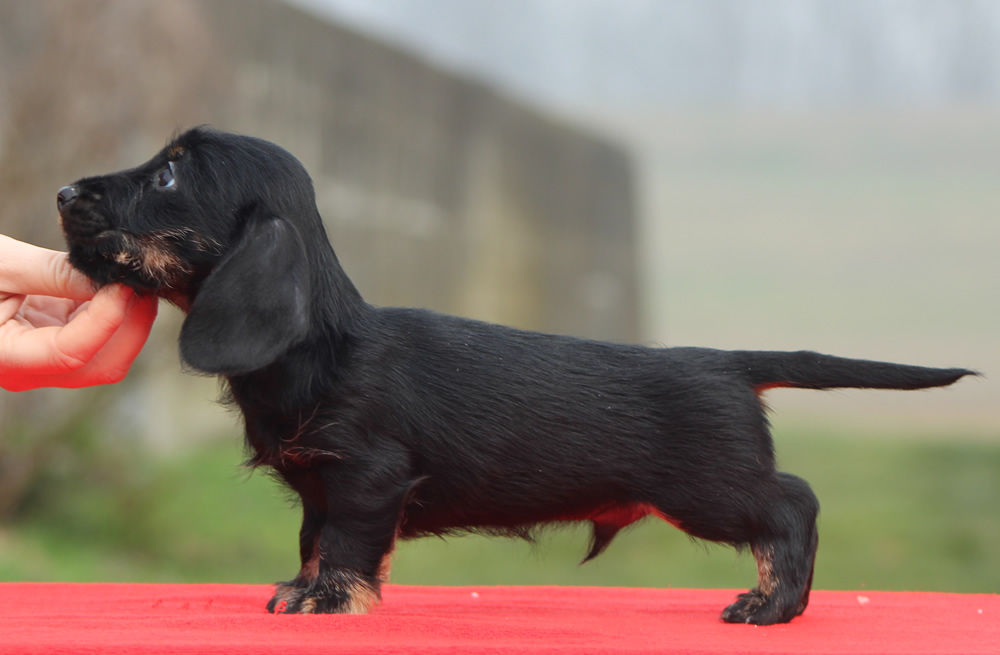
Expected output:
(66, 195)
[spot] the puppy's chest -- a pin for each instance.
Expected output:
(290, 454)
(296, 440)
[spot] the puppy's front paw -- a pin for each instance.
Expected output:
(284, 593)
(324, 597)
(292, 600)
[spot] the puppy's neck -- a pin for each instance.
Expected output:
(337, 303)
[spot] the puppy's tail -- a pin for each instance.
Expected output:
(809, 370)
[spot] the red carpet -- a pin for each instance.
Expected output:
(134, 618)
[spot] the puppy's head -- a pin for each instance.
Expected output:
(217, 223)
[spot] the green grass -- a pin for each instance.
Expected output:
(897, 514)
(200, 518)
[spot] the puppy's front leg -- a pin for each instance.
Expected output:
(313, 518)
(345, 548)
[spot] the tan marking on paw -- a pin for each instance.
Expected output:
(385, 567)
(311, 567)
(284, 593)
(767, 583)
(362, 598)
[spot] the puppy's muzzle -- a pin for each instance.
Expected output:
(77, 215)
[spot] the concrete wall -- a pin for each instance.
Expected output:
(438, 191)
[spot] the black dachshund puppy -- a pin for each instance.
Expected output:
(394, 422)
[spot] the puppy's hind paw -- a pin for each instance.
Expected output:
(755, 608)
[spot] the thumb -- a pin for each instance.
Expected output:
(28, 269)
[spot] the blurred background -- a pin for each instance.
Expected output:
(781, 174)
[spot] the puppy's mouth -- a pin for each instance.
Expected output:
(167, 262)
(88, 237)
(149, 263)
(84, 226)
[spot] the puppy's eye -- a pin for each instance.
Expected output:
(165, 177)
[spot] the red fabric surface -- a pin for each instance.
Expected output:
(136, 618)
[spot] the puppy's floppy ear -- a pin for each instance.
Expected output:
(254, 306)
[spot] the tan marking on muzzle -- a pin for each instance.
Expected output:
(152, 255)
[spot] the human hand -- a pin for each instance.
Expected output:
(55, 331)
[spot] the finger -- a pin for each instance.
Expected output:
(40, 364)
(28, 269)
(93, 326)
(113, 360)
(9, 304)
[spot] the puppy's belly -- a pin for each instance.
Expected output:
(419, 522)
(623, 515)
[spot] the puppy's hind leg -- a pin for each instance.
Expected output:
(785, 549)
